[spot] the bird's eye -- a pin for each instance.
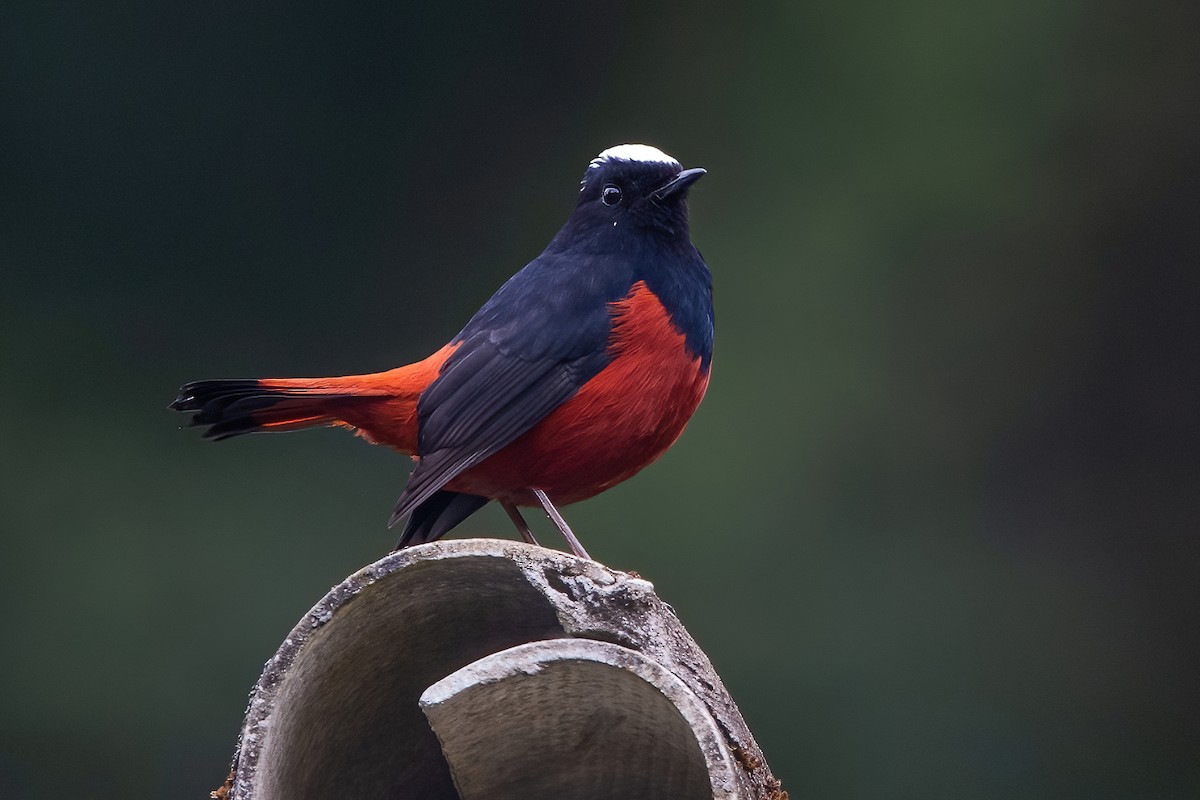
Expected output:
(611, 195)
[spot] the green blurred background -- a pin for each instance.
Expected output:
(935, 523)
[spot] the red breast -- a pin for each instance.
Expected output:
(619, 422)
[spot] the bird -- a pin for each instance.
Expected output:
(582, 369)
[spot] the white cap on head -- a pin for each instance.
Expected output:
(634, 152)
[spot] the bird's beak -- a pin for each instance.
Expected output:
(679, 183)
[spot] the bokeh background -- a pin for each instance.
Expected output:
(935, 523)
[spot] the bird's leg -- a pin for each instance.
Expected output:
(563, 527)
(515, 515)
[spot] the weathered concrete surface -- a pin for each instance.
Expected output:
(337, 712)
(546, 718)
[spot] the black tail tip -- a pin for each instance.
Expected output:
(193, 396)
(183, 402)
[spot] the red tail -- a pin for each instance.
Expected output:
(381, 406)
(231, 408)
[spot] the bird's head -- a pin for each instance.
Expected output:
(636, 185)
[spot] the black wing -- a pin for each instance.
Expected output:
(541, 337)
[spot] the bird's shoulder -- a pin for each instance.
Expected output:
(556, 306)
